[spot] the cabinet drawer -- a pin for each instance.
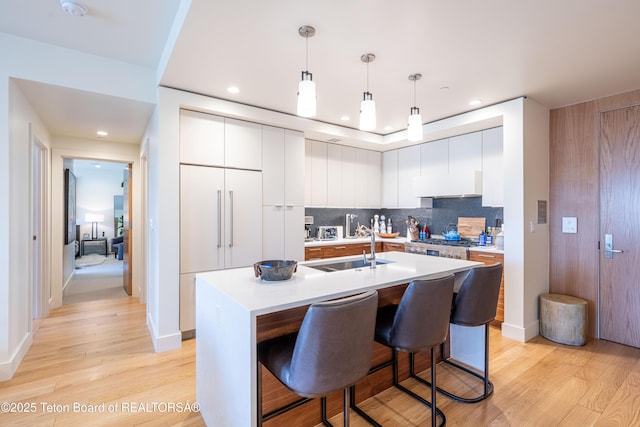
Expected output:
(392, 247)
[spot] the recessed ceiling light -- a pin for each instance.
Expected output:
(476, 101)
(345, 118)
(102, 133)
(233, 89)
(388, 128)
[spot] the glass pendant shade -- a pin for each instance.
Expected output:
(306, 96)
(414, 130)
(367, 112)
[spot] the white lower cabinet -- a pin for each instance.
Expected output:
(220, 224)
(187, 302)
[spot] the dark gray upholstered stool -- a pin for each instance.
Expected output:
(474, 305)
(330, 352)
(420, 322)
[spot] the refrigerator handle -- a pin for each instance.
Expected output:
(219, 219)
(231, 218)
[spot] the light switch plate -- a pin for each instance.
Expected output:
(569, 224)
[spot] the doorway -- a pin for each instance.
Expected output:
(619, 225)
(98, 267)
(41, 287)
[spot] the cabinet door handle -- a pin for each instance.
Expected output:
(486, 256)
(341, 247)
(231, 218)
(314, 250)
(219, 218)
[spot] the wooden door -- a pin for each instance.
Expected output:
(126, 239)
(619, 217)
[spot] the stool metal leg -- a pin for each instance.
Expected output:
(487, 385)
(394, 361)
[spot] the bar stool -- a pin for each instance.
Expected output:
(474, 305)
(330, 352)
(420, 322)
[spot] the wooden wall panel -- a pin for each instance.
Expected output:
(574, 191)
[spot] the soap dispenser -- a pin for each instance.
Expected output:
(383, 225)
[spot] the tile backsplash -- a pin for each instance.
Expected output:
(437, 214)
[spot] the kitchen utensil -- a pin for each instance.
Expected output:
(388, 235)
(451, 233)
(470, 228)
(275, 269)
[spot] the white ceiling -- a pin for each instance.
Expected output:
(555, 52)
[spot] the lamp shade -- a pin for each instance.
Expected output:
(93, 217)
(414, 129)
(306, 96)
(367, 113)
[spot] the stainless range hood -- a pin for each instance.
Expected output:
(453, 184)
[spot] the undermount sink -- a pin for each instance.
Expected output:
(346, 265)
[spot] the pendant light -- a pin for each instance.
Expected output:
(306, 87)
(367, 106)
(414, 130)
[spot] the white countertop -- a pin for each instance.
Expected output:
(309, 285)
(343, 241)
(489, 249)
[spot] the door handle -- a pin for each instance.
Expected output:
(608, 247)
(219, 218)
(231, 217)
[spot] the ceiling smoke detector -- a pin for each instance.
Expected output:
(73, 8)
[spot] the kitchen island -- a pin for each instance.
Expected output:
(231, 304)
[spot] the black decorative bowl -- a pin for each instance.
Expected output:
(272, 270)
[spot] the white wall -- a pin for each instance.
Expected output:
(15, 253)
(41, 62)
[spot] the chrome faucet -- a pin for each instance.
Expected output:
(372, 258)
(347, 224)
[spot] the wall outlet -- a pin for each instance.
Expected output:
(569, 224)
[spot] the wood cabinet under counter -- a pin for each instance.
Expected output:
(491, 258)
(338, 250)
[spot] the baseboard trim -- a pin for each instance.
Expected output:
(166, 342)
(521, 334)
(9, 368)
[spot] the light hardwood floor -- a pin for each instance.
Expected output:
(100, 352)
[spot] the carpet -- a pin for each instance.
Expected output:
(94, 280)
(90, 260)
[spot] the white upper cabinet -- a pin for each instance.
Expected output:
(492, 168)
(434, 157)
(350, 183)
(408, 169)
(373, 178)
(273, 172)
(201, 138)
(243, 144)
(465, 153)
(318, 156)
(294, 163)
(210, 140)
(334, 175)
(451, 167)
(390, 179)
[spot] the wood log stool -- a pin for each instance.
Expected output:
(563, 319)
